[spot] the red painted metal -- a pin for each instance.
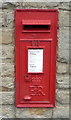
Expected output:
(35, 29)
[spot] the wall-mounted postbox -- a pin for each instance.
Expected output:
(35, 48)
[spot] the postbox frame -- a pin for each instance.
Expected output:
(52, 68)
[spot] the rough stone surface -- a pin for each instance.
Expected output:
(61, 112)
(62, 96)
(63, 38)
(1, 18)
(8, 5)
(7, 51)
(8, 111)
(34, 113)
(70, 69)
(63, 81)
(64, 6)
(7, 36)
(63, 18)
(63, 56)
(7, 70)
(0, 57)
(0, 36)
(0, 112)
(9, 60)
(8, 19)
(70, 54)
(7, 98)
(40, 5)
(8, 83)
(29, 4)
(62, 68)
(63, 44)
(0, 4)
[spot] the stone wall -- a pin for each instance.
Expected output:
(7, 89)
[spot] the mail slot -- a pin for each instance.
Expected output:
(36, 26)
(35, 56)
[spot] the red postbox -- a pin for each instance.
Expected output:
(35, 48)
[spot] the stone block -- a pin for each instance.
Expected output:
(0, 97)
(63, 55)
(7, 98)
(1, 19)
(63, 44)
(33, 113)
(7, 36)
(8, 19)
(7, 51)
(0, 4)
(38, 4)
(62, 68)
(63, 18)
(7, 70)
(64, 6)
(0, 88)
(0, 82)
(0, 54)
(70, 69)
(8, 111)
(61, 112)
(70, 55)
(0, 36)
(63, 81)
(9, 5)
(0, 112)
(63, 38)
(70, 21)
(8, 83)
(62, 96)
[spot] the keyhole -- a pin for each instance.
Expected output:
(27, 76)
(35, 43)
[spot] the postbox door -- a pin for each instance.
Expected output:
(34, 72)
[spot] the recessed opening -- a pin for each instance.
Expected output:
(27, 76)
(36, 27)
(35, 60)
